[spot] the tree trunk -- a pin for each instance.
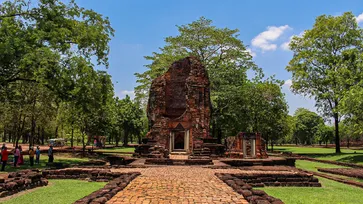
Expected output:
(9, 138)
(31, 138)
(126, 137)
(272, 145)
(337, 139)
(4, 138)
(83, 144)
(117, 138)
(38, 137)
(219, 135)
(348, 142)
(56, 131)
(72, 134)
(43, 132)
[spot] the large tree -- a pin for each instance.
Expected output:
(36, 40)
(222, 53)
(323, 56)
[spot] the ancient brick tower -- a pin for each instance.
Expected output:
(179, 106)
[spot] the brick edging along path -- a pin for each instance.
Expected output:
(109, 190)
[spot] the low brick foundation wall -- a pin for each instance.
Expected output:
(261, 162)
(20, 181)
(117, 160)
(160, 161)
(111, 189)
(355, 173)
(252, 196)
(298, 179)
(331, 162)
(102, 175)
(341, 180)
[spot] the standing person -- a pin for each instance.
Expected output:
(50, 154)
(21, 158)
(37, 154)
(31, 156)
(4, 157)
(16, 155)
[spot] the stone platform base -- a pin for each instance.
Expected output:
(179, 161)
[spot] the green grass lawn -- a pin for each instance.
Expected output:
(58, 192)
(347, 155)
(117, 149)
(312, 166)
(313, 150)
(330, 192)
(62, 158)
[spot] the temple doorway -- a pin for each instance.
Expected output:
(179, 141)
(179, 138)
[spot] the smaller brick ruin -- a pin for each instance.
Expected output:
(179, 107)
(246, 145)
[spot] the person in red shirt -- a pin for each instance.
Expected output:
(4, 158)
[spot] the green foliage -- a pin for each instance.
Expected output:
(48, 86)
(324, 133)
(307, 125)
(128, 119)
(327, 62)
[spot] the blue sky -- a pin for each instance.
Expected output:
(265, 27)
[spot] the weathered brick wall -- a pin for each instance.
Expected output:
(180, 96)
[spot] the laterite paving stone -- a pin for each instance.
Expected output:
(177, 184)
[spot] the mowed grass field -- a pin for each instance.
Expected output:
(331, 192)
(117, 150)
(347, 155)
(57, 192)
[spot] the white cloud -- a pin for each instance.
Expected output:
(264, 40)
(253, 54)
(123, 93)
(285, 45)
(288, 83)
(359, 18)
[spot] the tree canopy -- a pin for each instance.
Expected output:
(326, 62)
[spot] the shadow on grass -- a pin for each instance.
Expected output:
(352, 159)
(43, 163)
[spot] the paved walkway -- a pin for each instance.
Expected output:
(177, 184)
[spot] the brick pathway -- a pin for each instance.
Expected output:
(177, 184)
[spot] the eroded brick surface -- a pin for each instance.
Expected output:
(177, 184)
